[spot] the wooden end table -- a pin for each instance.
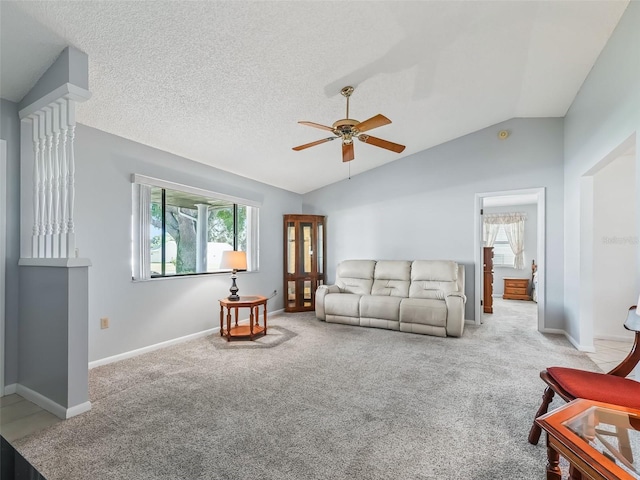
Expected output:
(254, 328)
(594, 437)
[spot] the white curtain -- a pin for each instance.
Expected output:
(515, 235)
(141, 232)
(490, 233)
(513, 224)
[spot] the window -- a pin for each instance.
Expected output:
(180, 230)
(502, 254)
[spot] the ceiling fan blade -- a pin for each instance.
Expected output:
(373, 122)
(378, 142)
(313, 144)
(347, 152)
(317, 125)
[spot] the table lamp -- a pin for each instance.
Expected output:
(235, 261)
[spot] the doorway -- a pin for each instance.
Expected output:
(531, 200)
(609, 245)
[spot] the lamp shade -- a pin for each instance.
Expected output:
(234, 260)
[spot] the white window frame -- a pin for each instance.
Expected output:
(140, 224)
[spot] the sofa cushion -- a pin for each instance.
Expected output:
(391, 278)
(355, 276)
(343, 304)
(383, 307)
(423, 311)
(432, 279)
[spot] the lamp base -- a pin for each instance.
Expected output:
(234, 289)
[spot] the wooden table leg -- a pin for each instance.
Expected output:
(553, 463)
(574, 473)
(264, 306)
(221, 320)
(250, 323)
(228, 324)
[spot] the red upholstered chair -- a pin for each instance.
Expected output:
(611, 387)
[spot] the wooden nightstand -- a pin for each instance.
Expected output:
(516, 289)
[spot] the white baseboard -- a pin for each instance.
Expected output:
(10, 389)
(151, 348)
(51, 406)
(168, 343)
(581, 348)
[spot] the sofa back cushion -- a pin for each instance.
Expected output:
(355, 276)
(391, 278)
(433, 278)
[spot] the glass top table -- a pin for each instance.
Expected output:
(598, 439)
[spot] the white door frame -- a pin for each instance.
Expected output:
(540, 200)
(3, 252)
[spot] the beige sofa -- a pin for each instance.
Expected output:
(423, 296)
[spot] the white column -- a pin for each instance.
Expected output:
(202, 230)
(64, 217)
(55, 114)
(71, 173)
(41, 185)
(35, 124)
(48, 184)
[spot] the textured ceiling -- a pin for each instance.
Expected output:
(225, 82)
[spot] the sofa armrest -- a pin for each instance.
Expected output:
(321, 292)
(455, 313)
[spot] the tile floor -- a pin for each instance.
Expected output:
(19, 417)
(609, 353)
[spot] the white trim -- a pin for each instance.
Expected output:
(151, 348)
(51, 406)
(10, 389)
(68, 90)
(541, 253)
(3, 254)
(168, 343)
(54, 262)
(156, 182)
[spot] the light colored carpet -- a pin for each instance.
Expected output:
(315, 401)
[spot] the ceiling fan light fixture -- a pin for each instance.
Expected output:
(348, 128)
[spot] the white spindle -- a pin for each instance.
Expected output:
(56, 179)
(64, 219)
(49, 184)
(41, 184)
(71, 236)
(36, 183)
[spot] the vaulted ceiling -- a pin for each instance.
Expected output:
(225, 82)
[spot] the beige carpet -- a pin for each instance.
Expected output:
(315, 401)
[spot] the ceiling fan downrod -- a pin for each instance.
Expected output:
(346, 92)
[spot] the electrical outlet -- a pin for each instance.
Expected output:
(104, 322)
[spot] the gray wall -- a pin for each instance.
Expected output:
(10, 131)
(71, 66)
(146, 313)
(530, 246)
(53, 354)
(422, 206)
(603, 115)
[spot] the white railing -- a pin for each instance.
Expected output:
(53, 126)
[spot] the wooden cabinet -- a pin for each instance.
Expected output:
(487, 271)
(304, 260)
(516, 289)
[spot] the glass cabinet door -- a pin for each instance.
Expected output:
(304, 258)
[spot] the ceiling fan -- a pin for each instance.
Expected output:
(347, 129)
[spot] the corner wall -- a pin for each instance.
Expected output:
(145, 313)
(604, 114)
(422, 206)
(10, 131)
